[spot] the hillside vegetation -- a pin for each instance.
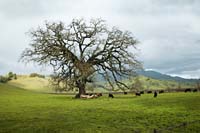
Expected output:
(155, 84)
(40, 84)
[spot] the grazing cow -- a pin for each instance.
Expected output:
(149, 91)
(188, 90)
(141, 92)
(125, 93)
(110, 95)
(161, 91)
(195, 90)
(99, 94)
(155, 94)
(137, 94)
(90, 94)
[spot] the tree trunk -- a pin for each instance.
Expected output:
(81, 88)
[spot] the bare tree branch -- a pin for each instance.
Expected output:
(80, 50)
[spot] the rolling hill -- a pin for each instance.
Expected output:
(149, 79)
(31, 83)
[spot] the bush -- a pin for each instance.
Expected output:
(36, 75)
(8, 77)
(3, 79)
(15, 76)
(11, 76)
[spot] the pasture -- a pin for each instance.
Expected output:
(25, 111)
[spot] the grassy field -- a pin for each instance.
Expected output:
(25, 111)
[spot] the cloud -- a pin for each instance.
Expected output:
(168, 31)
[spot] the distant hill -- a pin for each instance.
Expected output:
(31, 83)
(149, 79)
(160, 76)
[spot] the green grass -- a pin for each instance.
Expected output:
(25, 111)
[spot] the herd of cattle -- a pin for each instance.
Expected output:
(139, 93)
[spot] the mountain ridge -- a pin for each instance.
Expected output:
(160, 76)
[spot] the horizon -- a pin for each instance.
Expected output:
(152, 70)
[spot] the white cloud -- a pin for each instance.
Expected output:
(168, 30)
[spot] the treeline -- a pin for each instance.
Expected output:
(8, 77)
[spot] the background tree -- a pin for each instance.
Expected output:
(3, 79)
(179, 86)
(137, 84)
(198, 84)
(11, 76)
(81, 49)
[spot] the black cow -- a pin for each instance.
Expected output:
(110, 95)
(195, 90)
(188, 90)
(125, 93)
(141, 92)
(161, 91)
(137, 94)
(149, 91)
(155, 94)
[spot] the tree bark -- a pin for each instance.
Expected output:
(81, 87)
(82, 90)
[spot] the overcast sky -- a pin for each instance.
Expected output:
(168, 30)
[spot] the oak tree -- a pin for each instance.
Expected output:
(82, 49)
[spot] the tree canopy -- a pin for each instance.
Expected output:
(82, 49)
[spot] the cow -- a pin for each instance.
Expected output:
(161, 91)
(155, 94)
(195, 90)
(125, 93)
(137, 94)
(90, 94)
(149, 91)
(110, 95)
(141, 92)
(188, 90)
(99, 94)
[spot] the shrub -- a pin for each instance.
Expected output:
(36, 75)
(12, 75)
(15, 76)
(3, 79)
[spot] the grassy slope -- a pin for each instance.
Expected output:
(42, 84)
(32, 83)
(154, 84)
(24, 111)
